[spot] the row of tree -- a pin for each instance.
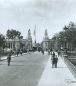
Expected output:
(10, 34)
(66, 38)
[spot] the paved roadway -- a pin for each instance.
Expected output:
(25, 70)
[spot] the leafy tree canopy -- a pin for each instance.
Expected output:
(67, 35)
(11, 34)
(2, 40)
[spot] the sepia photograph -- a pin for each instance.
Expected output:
(37, 42)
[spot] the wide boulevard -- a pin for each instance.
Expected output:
(25, 70)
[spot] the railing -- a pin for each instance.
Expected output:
(71, 67)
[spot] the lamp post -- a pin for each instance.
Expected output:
(59, 42)
(65, 45)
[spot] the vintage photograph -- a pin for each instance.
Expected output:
(37, 42)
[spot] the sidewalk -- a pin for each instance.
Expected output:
(60, 76)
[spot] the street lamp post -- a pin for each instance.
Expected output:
(65, 45)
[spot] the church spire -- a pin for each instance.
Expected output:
(46, 41)
(29, 34)
(46, 34)
(29, 39)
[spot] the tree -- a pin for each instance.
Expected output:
(11, 34)
(2, 41)
(67, 37)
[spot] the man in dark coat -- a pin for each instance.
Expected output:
(56, 61)
(53, 55)
(53, 59)
(42, 51)
(9, 59)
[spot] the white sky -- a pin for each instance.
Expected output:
(24, 14)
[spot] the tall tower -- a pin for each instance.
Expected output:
(46, 34)
(29, 40)
(46, 41)
(29, 34)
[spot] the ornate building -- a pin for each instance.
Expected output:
(29, 40)
(18, 44)
(45, 43)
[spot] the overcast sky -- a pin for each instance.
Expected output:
(46, 14)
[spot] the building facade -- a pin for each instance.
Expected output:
(19, 44)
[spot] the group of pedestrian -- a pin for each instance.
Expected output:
(49, 52)
(54, 60)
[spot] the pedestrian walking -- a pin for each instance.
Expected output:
(49, 52)
(53, 55)
(53, 61)
(0, 58)
(28, 51)
(58, 53)
(17, 53)
(56, 61)
(43, 52)
(9, 59)
(21, 52)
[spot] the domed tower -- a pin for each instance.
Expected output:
(29, 40)
(46, 41)
(29, 34)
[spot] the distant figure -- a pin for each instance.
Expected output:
(27, 50)
(43, 52)
(58, 53)
(17, 53)
(48, 52)
(53, 55)
(56, 61)
(9, 59)
(0, 58)
(53, 61)
(21, 52)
